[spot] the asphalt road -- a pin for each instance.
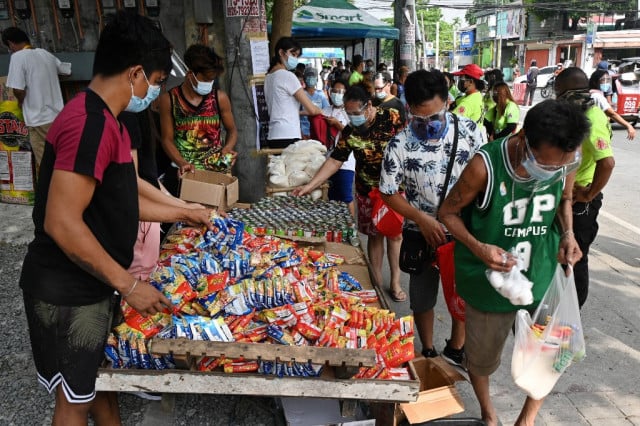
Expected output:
(602, 390)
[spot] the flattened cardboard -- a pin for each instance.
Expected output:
(210, 188)
(352, 255)
(438, 395)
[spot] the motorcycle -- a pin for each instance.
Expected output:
(547, 90)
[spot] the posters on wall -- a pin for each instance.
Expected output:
(17, 168)
(261, 114)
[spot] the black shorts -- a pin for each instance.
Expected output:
(423, 289)
(68, 344)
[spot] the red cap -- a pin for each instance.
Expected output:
(471, 70)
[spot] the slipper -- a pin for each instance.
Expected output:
(399, 296)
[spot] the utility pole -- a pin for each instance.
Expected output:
(453, 54)
(424, 46)
(437, 64)
(405, 17)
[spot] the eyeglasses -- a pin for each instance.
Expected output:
(377, 89)
(428, 118)
(568, 167)
(360, 111)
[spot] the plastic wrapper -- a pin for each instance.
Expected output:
(231, 285)
(512, 285)
(547, 343)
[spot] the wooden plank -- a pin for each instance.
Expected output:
(175, 381)
(318, 355)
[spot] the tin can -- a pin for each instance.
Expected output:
(329, 235)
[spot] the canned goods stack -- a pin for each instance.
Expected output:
(301, 217)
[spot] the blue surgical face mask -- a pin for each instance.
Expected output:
(292, 61)
(311, 82)
(202, 88)
(605, 87)
(432, 127)
(337, 99)
(137, 104)
(357, 120)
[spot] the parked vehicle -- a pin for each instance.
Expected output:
(543, 76)
(547, 90)
(626, 99)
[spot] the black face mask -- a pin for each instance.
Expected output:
(461, 85)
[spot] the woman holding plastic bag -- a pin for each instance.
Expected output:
(511, 209)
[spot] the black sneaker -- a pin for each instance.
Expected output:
(429, 353)
(453, 356)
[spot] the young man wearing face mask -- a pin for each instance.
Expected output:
(595, 169)
(382, 86)
(599, 84)
(86, 216)
(416, 159)
(366, 136)
(315, 96)
(515, 194)
(341, 188)
(190, 118)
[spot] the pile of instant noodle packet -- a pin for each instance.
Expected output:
(229, 286)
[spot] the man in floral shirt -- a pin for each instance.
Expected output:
(416, 160)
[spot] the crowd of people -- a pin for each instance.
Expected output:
(445, 150)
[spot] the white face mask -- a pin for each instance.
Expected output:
(138, 104)
(202, 88)
(337, 99)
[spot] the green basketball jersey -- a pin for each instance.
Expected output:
(508, 216)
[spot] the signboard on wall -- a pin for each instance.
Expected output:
(467, 39)
(591, 34)
(370, 49)
(508, 24)
(244, 8)
(261, 114)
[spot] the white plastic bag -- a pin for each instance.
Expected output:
(512, 285)
(548, 343)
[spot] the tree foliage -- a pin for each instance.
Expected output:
(269, 4)
(575, 10)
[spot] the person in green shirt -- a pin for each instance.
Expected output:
(595, 170)
(492, 77)
(514, 196)
(470, 83)
(358, 67)
(502, 119)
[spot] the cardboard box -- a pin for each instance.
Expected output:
(210, 188)
(438, 395)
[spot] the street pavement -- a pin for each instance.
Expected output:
(601, 390)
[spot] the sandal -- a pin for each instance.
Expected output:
(398, 296)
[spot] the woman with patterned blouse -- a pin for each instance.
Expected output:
(366, 136)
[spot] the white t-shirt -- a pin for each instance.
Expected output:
(343, 118)
(36, 71)
(599, 99)
(284, 109)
